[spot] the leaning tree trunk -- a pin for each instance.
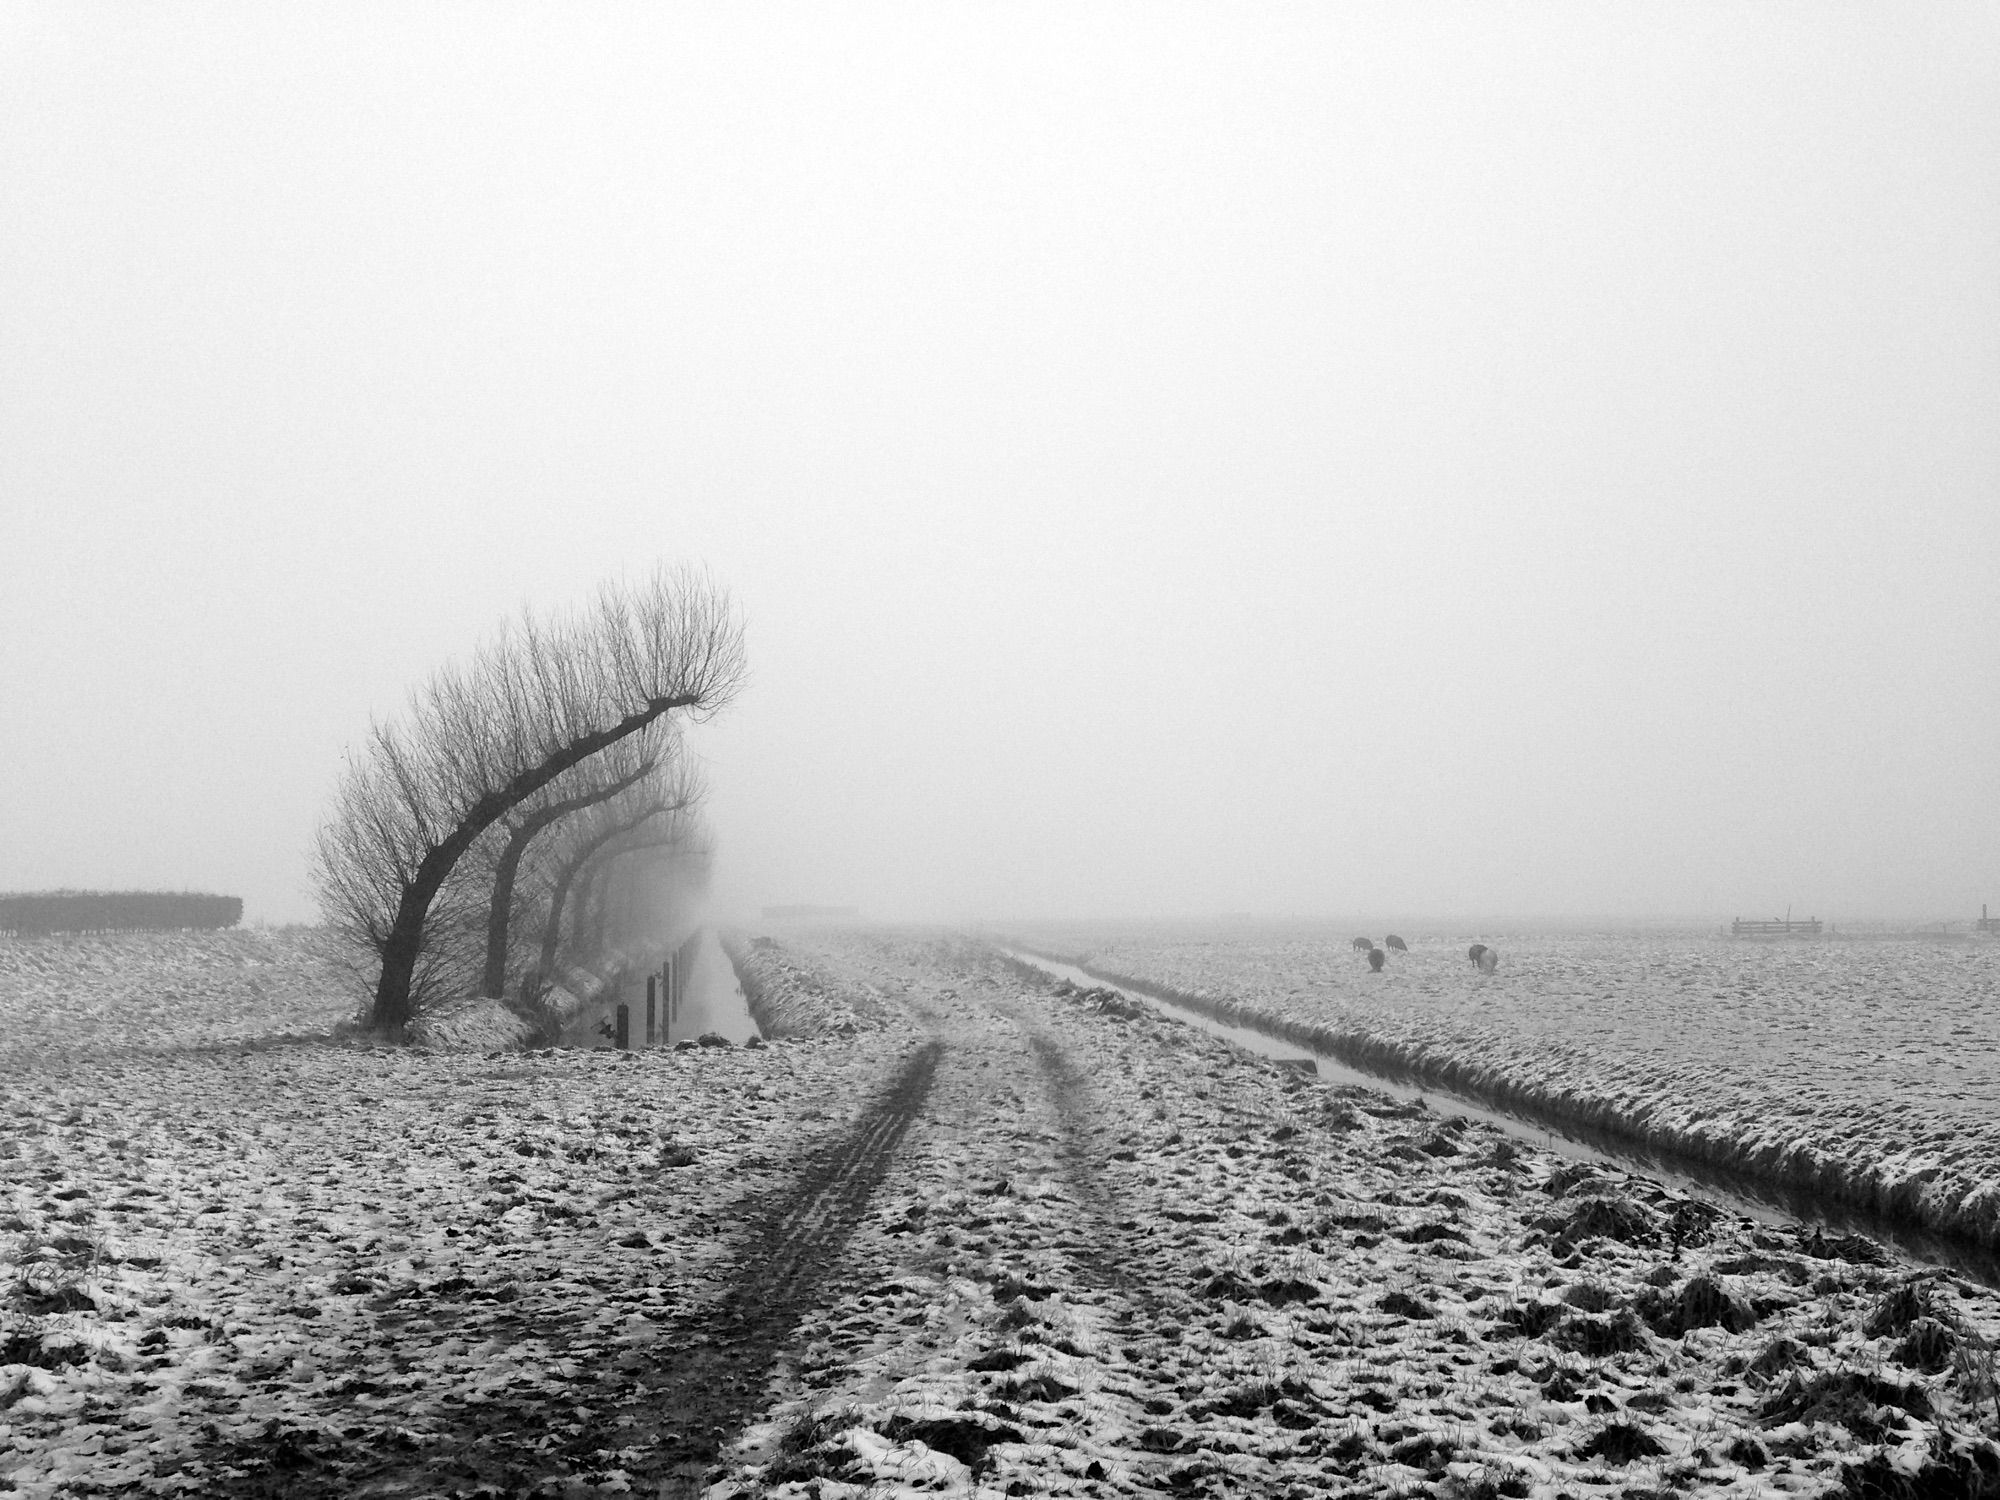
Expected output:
(581, 860)
(586, 928)
(552, 925)
(493, 979)
(394, 1006)
(499, 911)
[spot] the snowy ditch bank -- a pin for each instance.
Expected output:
(788, 994)
(710, 1002)
(1808, 1187)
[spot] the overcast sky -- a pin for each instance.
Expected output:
(1172, 459)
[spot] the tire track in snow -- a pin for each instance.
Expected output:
(1021, 1207)
(661, 1416)
(712, 1393)
(1104, 1251)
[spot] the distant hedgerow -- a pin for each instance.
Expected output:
(116, 911)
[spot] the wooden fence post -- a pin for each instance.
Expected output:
(624, 1027)
(652, 1031)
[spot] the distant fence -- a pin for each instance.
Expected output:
(116, 911)
(1781, 927)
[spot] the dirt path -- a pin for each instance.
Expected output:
(1109, 1250)
(716, 1385)
(1012, 1270)
(1118, 1257)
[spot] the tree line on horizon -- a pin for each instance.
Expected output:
(28, 912)
(532, 804)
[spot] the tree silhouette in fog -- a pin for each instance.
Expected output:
(479, 740)
(597, 780)
(613, 828)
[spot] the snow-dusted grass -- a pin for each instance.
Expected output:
(790, 995)
(1869, 1071)
(1111, 1255)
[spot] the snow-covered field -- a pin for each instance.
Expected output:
(220, 1257)
(1867, 1069)
(97, 994)
(957, 1232)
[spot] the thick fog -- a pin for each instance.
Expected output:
(1173, 460)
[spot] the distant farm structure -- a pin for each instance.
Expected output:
(116, 911)
(1776, 927)
(1986, 923)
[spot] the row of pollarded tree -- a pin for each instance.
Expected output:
(545, 775)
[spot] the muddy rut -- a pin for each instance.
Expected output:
(707, 1395)
(663, 1414)
(1109, 1251)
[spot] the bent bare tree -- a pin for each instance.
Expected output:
(640, 885)
(613, 828)
(598, 780)
(479, 740)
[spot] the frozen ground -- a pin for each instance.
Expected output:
(950, 1232)
(1869, 1069)
(101, 994)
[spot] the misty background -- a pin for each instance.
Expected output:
(1173, 459)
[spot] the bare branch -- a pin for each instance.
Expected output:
(537, 701)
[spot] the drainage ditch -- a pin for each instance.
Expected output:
(1738, 1191)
